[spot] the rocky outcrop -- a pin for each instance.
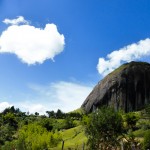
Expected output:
(126, 88)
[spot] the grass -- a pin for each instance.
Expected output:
(140, 133)
(79, 110)
(122, 67)
(73, 138)
(116, 71)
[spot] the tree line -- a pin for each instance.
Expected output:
(105, 128)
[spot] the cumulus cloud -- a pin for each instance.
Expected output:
(128, 53)
(26, 106)
(63, 95)
(32, 45)
(32, 107)
(4, 105)
(66, 96)
(19, 20)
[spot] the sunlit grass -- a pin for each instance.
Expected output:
(73, 138)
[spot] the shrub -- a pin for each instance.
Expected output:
(146, 143)
(131, 119)
(104, 128)
(33, 137)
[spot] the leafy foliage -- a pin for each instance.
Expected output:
(68, 122)
(36, 137)
(131, 119)
(104, 128)
(147, 140)
(19, 130)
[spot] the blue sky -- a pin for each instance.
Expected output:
(53, 52)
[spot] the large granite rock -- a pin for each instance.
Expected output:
(126, 88)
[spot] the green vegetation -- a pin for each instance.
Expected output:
(21, 131)
(102, 129)
(124, 66)
(119, 69)
(147, 140)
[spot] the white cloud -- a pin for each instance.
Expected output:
(4, 105)
(63, 95)
(30, 44)
(26, 106)
(128, 53)
(71, 93)
(66, 96)
(19, 20)
(31, 107)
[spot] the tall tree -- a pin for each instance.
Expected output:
(104, 128)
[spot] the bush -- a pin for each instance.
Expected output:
(68, 122)
(131, 119)
(103, 129)
(33, 137)
(146, 143)
(46, 123)
(144, 124)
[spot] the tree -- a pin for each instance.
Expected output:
(11, 120)
(36, 137)
(51, 114)
(104, 128)
(75, 115)
(68, 123)
(10, 110)
(59, 114)
(47, 123)
(36, 114)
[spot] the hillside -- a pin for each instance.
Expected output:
(127, 88)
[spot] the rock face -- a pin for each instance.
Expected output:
(126, 88)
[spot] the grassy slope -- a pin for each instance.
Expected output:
(73, 138)
(79, 110)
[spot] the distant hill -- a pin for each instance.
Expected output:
(126, 88)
